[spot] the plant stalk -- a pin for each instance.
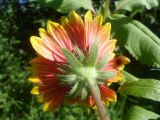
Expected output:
(100, 106)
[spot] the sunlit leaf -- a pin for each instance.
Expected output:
(139, 113)
(131, 5)
(65, 6)
(137, 39)
(129, 77)
(145, 88)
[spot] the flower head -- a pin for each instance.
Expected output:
(74, 55)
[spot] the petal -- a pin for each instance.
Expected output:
(118, 62)
(90, 101)
(75, 28)
(64, 20)
(104, 32)
(34, 79)
(107, 93)
(35, 90)
(116, 78)
(53, 104)
(42, 67)
(51, 44)
(98, 19)
(48, 40)
(53, 93)
(88, 27)
(75, 18)
(47, 106)
(107, 48)
(88, 17)
(59, 35)
(41, 48)
(92, 27)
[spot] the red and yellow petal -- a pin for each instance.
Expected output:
(98, 19)
(90, 101)
(104, 33)
(41, 48)
(74, 26)
(107, 48)
(119, 76)
(92, 27)
(59, 35)
(118, 62)
(42, 67)
(48, 40)
(49, 92)
(88, 27)
(107, 94)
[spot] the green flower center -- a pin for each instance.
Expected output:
(87, 72)
(82, 72)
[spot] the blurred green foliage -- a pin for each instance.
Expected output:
(17, 23)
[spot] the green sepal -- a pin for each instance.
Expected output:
(71, 58)
(105, 75)
(67, 79)
(91, 59)
(66, 68)
(84, 94)
(80, 54)
(142, 88)
(75, 90)
(102, 62)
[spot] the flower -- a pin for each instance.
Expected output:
(74, 55)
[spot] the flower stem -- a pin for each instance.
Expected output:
(100, 106)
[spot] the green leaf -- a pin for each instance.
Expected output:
(70, 79)
(71, 58)
(139, 113)
(129, 77)
(131, 5)
(137, 39)
(92, 58)
(145, 88)
(66, 6)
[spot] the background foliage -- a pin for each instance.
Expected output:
(19, 19)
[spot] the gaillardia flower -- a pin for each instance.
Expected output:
(74, 57)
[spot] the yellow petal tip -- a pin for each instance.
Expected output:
(35, 90)
(34, 80)
(88, 16)
(46, 107)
